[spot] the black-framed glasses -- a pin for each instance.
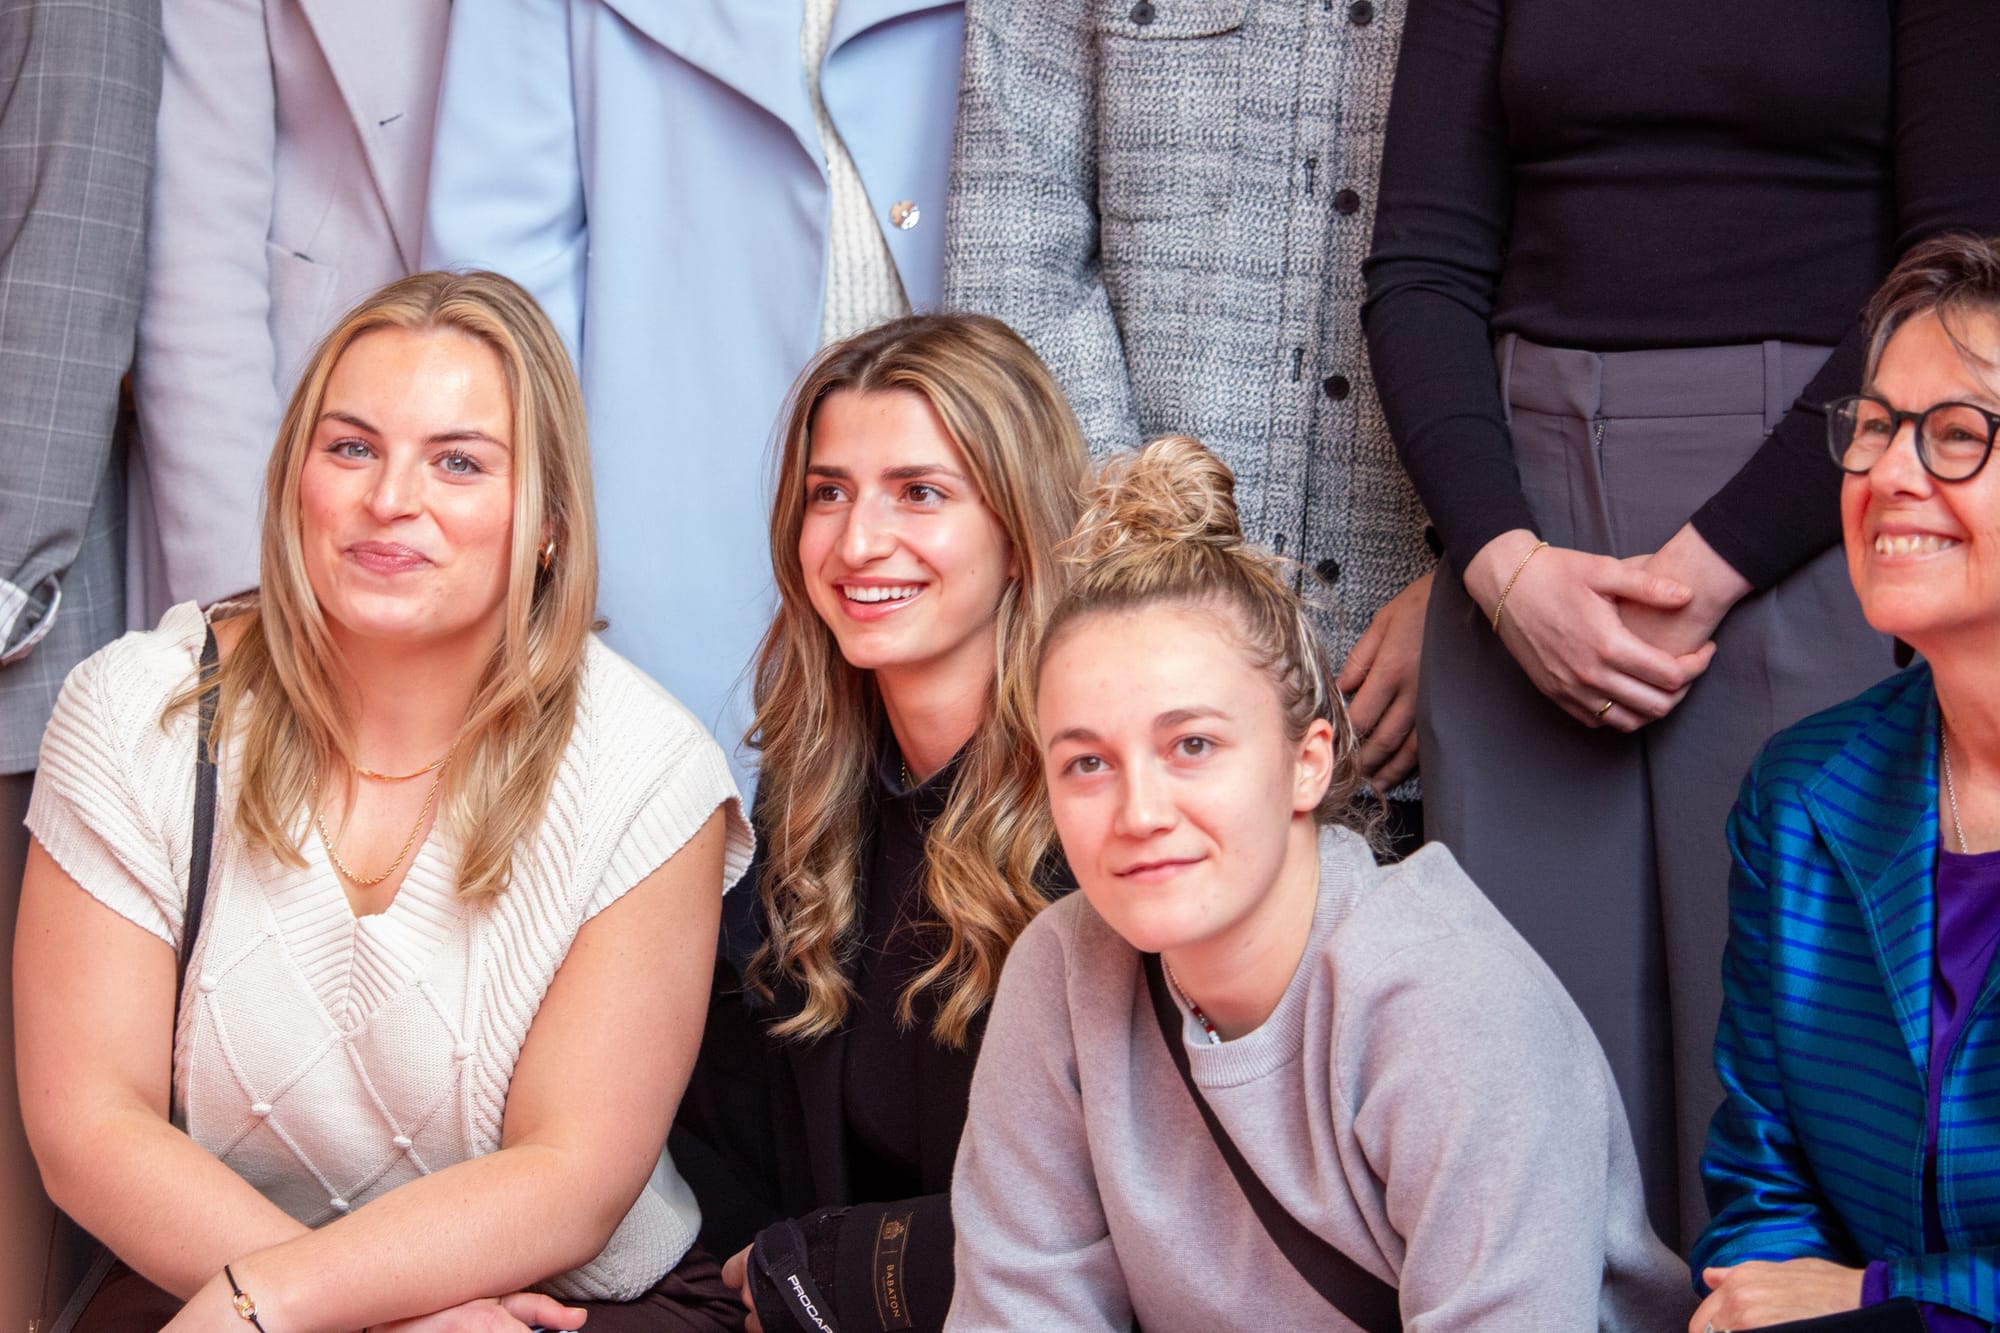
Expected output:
(1954, 440)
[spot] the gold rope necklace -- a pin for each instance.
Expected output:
(431, 767)
(326, 841)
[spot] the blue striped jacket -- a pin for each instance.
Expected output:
(1824, 1042)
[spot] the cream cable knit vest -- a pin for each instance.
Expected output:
(328, 1059)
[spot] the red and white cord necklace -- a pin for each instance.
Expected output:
(1214, 1037)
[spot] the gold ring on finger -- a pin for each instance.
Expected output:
(1603, 709)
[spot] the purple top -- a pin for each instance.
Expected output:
(1968, 930)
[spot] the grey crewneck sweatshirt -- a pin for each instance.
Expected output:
(1426, 1097)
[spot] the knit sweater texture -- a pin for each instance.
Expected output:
(1425, 1097)
(862, 287)
(328, 1058)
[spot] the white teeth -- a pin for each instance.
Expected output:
(882, 594)
(1911, 543)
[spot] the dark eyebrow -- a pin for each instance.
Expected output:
(907, 472)
(458, 436)
(463, 434)
(1173, 717)
(917, 471)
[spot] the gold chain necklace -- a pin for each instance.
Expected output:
(326, 841)
(1951, 789)
(431, 767)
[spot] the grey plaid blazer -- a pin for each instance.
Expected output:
(79, 88)
(1171, 200)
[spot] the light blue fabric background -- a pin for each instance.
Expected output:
(652, 172)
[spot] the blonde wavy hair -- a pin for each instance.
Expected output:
(818, 718)
(1161, 526)
(283, 684)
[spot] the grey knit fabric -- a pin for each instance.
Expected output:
(1425, 1098)
(1171, 200)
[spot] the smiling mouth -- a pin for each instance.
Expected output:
(872, 596)
(1155, 869)
(1912, 543)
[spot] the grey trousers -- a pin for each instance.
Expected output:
(1605, 850)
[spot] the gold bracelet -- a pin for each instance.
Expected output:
(1501, 605)
(246, 1309)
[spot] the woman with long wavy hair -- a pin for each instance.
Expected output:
(362, 939)
(927, 469)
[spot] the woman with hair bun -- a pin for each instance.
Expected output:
(928, 467)
(1396, 1070)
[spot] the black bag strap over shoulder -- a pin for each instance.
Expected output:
(204, 817)
(1348, 1287)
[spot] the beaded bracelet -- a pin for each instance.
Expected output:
(245, 1307)
(1501, 605)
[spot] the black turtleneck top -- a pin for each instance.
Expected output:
(1656, 174)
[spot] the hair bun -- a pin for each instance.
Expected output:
(1171, 492)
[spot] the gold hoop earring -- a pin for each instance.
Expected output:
(548, 552)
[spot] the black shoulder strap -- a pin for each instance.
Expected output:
(1351, 1289)
(204, 818)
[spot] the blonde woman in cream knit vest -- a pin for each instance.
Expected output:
(467, 868)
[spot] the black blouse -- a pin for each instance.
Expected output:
(853, 1136)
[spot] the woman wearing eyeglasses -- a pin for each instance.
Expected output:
(1620, 256)
(1856, 1158)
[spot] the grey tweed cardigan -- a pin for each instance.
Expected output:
(1171, 200)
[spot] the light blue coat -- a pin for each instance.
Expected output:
(652, 172)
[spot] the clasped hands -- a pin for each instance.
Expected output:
(1592, 630)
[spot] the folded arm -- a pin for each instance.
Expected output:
(587, 1112)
